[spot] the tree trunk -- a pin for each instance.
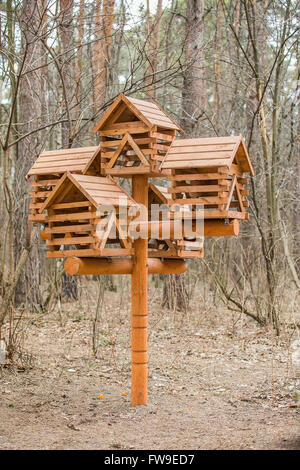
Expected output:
(152, 42)
(297, 163)
(101, 50)
(193, 104)
(28, 149)
(175, 293)
(194, 89)
(78, 64)
(66, 36)
(97, 57)
(270, 233)
(216, 103)
(297, 230)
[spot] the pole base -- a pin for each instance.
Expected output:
(139, 384)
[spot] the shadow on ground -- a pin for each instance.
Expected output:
(289, 444)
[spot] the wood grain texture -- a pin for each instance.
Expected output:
(139, 306)
(208, 152)
(60, 161)
(94, 266)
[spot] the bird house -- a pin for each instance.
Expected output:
(83, 214)
(209, 172)
(135, 136)
(50, 166)
(90, 220)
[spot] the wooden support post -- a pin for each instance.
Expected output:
(139, 307)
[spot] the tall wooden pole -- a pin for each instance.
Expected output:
(139, 308)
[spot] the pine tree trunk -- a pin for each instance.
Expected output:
(175, 293)
(78, 63)
(193, 103)
(30, 94)
(194, 88)
(101, 50)
(216, 102)
(153, 41)
(297, 155)
(66, 36)
(297, 208)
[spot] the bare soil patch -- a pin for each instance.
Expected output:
(216, 381)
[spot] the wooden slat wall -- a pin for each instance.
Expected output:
(42, 187)
(153, 146)
(220, 191)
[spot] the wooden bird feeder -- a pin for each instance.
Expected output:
(209, 172)
(49, 168)
(135, 136)
(78, 217)
(77, 197)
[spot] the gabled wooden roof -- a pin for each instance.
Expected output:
(98, 190)
(207, 152)
(145, 111)
(60, 161)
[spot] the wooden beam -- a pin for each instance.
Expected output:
(170, 229)
(233, 184)
(75, 266)
(131, 171)
(196, 189)
(198, 176)
(217, 228)
(67, 253)
(137, 150)
(116, 154)
(209, 200)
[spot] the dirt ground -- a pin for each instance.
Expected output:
(216, 381)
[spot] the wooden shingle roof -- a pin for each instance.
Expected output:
(98, 190)
(207, 152)
(60, 161)
(147, 112)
